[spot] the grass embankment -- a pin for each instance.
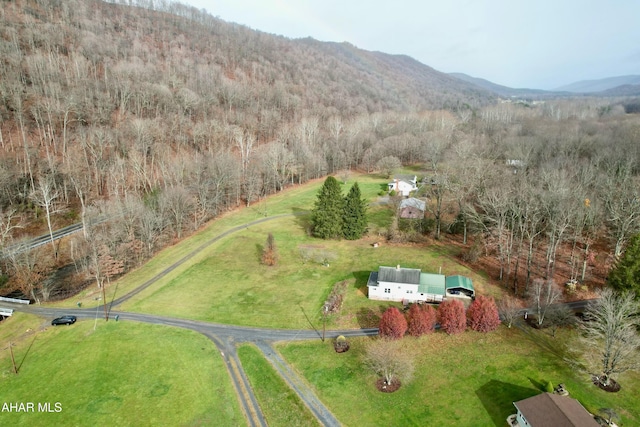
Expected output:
(460, 380)
(280, 405)
(226, 282)
(121, 373)
(289, 201)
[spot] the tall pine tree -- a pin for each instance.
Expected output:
(354, 218)
(326, 217)
(625, 275)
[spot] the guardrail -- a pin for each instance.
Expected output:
(6, 312)
(15, 300)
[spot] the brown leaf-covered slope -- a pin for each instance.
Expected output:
(224, 64)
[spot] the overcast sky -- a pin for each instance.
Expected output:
(541, 44)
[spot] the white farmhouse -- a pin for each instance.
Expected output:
(404, 184)
(410, 285)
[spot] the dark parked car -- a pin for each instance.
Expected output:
(64, 320)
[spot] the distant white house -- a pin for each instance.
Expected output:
(404, 184)
(411, 285)
(514, 162)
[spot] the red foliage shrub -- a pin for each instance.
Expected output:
(393, 324)
(482, 315)
(421, 319)
(270, 252)
(452, 316)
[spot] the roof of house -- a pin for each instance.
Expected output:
(431, 284)
(553, 410)
(373, 279)
(407, 178)
(413, 203)
(459, 282)
(399, 275)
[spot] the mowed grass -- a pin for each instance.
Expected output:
(119, 374)
(280, 405)
(462, 380)
(232, 286)
(226, 282)
(294, 200)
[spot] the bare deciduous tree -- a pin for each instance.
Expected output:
(389, 359)
(610, 335)
(44, 196)
(559, 316)
(542, 294)
(27, 271)
(176, 204)
(388, 164)
(509, 309)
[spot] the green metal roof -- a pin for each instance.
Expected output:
(459, 282)
(431, 284)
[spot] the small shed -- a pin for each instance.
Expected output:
(460, 285)
(412, 208)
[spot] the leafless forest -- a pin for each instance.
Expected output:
(159, 117)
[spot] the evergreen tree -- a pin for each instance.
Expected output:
(354, 219)
(326, 217)
(625, 275)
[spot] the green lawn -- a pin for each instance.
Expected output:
(280, 405)
(119, 374)
(226, 283)
(232, 286)
(462, 380)
(294, 200)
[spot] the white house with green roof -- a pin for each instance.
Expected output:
(412, 285)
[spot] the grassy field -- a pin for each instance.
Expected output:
(226, 282)
(232, 286)
(463, 380)
(281, 405)
(119, 374)
(294, 200)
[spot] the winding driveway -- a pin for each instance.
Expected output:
(225, 337)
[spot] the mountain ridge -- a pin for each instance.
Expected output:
(600, 85)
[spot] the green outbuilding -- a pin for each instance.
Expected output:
(459, 285)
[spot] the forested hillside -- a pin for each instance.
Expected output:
(160, 119)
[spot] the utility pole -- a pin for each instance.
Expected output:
(324, 320)
(104, 300)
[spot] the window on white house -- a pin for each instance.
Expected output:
(387, 291)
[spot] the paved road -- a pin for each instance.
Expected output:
(225, 338)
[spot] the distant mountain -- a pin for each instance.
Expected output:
(502, 90)
(599, 85)
(624, 90)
